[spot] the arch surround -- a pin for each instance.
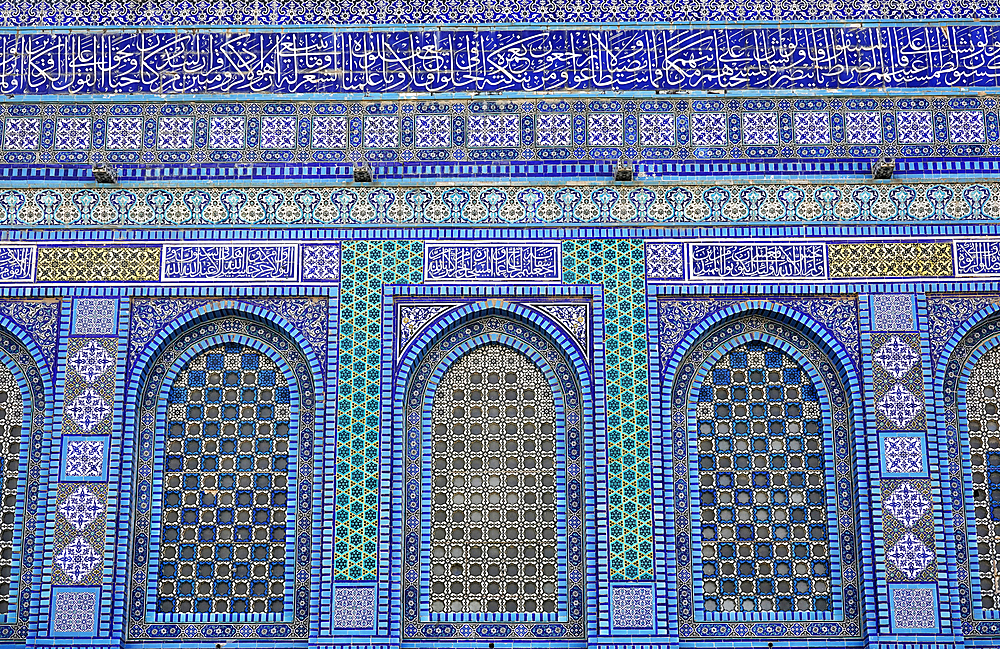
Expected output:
(795, 332)
(535, 335)
(216, 324)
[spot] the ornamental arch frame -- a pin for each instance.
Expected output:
(593, 482)
(272, 335)
(678, 376)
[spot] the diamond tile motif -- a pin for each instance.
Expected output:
(277, 132)
(73, 133)
(632, 607)
(864, 128)
(21, 134)
(812, 127)
(77, 559)
(330, 132)
(914, 608)
(381, 132)
(966, 126)
(910, 556)
(84, 458)
(896, 357)
(554, 129)
(760, 128)
(604, 129)
(175, 133)
(708, 129)
(91, 361)
(88, 410)
(915, 126)
(903, 454)
(124, 133)
(494, 130)
(354, 607)
(899, 406)
(81, 508)
(907, 505)
(431, 131)
(226, 132)
(656, 129)
(73, 611)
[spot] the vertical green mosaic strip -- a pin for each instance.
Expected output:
(365, 267)
(619, 267)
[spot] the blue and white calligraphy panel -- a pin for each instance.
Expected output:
(491, 61)
(977, 258)
(261, 263)
(500, 262)
(762, 261)
(17, 263)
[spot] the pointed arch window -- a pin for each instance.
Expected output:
(224, 456)
(494, 515)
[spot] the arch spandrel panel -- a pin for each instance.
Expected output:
(763, 474)
(507, 397)
(222, 518)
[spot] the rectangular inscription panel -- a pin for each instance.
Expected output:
(757, 261)
(977, 257)
(492, 262)
(17, 263)
(230, 262)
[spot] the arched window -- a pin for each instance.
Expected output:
(222, 533)
(763, 485)
(494, 471)
(761, 473)
(982, 402)
(224, 522)
(493, 528)
(12, 424)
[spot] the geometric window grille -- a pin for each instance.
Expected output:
(983, 403)
(762, 481)
(225, 491)
(494, 471)
(11, 422)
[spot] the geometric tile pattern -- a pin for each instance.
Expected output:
(914, 608)
(88, 410)
(899, 406)
(96, 264)
(758, 411)
(354, 607)
(493, 420)
(467, 203)
(321, 263)
(891, 260)
(91, 361)
(632, 607)
(983, 405)
(892, 312)
(73, 611)
(11, 422)
(78, 559)
(84, 459)
(896, 357)
(81, 508)
(95, 317)
(530, 129)
(366, 267)
(225, 504)
(619, 266)
(664, 261)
